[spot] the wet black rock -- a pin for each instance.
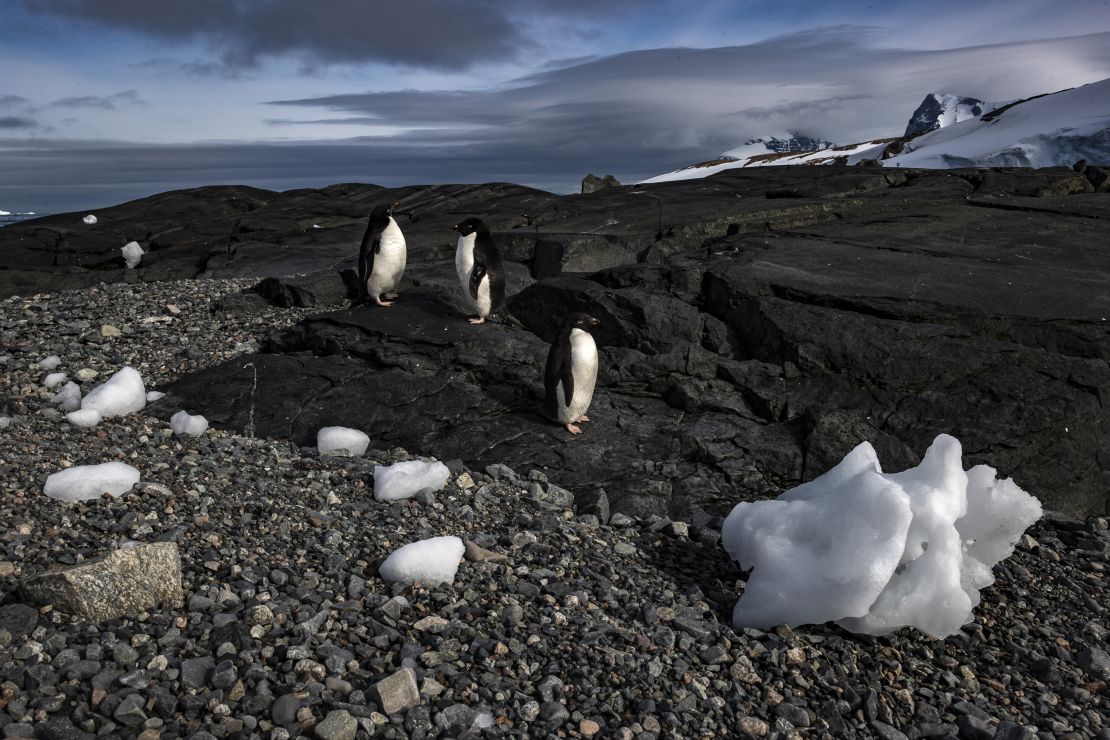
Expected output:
(880, 306)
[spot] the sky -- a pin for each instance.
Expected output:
(103, 101)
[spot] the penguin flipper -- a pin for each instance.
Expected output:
(371, 245)
(476, 275)
(557, 371)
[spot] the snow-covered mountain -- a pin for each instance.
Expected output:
(790, 143)
(938, 110)
(1052, 129)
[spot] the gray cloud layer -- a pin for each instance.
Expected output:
(103, 102)
(426, 33)
(10, 122)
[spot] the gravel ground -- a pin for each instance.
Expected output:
(587, 629)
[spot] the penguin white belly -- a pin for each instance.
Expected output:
(583, 367)
(483, 302)
(389, 262)
(464, 263)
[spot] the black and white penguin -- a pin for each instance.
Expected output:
(571, 372)
(478, 264)
(382, 257)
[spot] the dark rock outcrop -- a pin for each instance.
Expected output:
(876, 306)
(592, 183)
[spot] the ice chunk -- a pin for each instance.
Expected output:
(184, 423)
(152, 396)
(69, 397)
(341, 441)
(806, 547)
(406, 479)
(54, 379)
(876, 551)
(50, 362)
(84, 417)
(132, 254)
(85, 482)
(5, 422)
(123, 393)
(90, 219)
(431, 561)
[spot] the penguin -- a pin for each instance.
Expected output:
(478, 264)
(571, 372)
(382, 257)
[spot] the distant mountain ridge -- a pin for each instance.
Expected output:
(938, 110)
(949, 130)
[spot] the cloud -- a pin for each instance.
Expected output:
(103, 102)
(833, 83)
(11, 122)
(10, 101)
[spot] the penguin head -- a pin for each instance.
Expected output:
(381, 213)
(469, 226)
(582, 321)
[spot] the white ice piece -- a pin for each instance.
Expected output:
(430, 561)
(84, 482)
(123, 393)
(68, 397)
(152, 396)
(341, 441)
(84, 417)
(53, 380)
(875, 551)
(5, 422)
(132, 254)
(50, 362)
(90, 219)
(406, 479)
(185, 423)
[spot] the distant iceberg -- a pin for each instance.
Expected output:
(5, 213)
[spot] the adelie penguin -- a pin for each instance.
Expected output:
(478, 264)
(382, 257)
(571, 372)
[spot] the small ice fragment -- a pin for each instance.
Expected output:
(132, 254)
(84, 482)
(406, 479)
(152, 396)
(69, 397)
(184, 423)
(90, 219)
(430, 561)
(84, 417)
(341, 441)
(54, 379)
(5, 422)
(50, 362)
(123, 393)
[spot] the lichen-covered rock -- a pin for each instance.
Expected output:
(127, 580)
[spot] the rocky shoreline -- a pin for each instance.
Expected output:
(590, 627)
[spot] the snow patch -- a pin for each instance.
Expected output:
(132, 254)
(84, 418)
(184, 423)
(123, 393)
(430, 561)
(69, 397)
(876, 551)
(90, 219)
(406, 479)
(84, 482)
(54, 379)
(342, 441)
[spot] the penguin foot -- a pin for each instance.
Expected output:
(583, 417)
(392, 296)
(477, 321)
(380, 302)
(573, 429)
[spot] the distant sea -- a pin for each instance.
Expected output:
(11, 218)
